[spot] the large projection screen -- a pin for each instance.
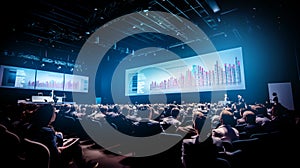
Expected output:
(222, 70)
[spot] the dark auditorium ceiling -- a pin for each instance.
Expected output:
(64, 25)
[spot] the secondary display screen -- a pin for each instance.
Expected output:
(76, 83)
(49, 80)
(16, 77)
(25, 78)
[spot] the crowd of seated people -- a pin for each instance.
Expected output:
(223, 123)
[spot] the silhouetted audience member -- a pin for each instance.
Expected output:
(146, 126)
(278, 111)
(200, 149)
(226, 131)
(171, 123)
(215, 121)
(249, 126)
(280, 117)
(116, 119)
(42, 131)
(263, 119)
(189, 131)
(167, 111)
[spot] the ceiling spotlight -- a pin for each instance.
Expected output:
(213, 5)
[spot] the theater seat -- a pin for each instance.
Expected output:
(36, 154)
(221, 163)
(10, 148)
(249, 152)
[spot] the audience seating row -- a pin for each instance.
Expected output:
(22, 152)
